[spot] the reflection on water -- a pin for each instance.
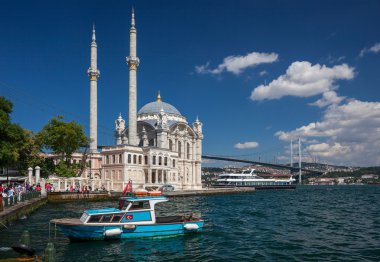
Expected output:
(310, 223)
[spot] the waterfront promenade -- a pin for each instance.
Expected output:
(20, 209)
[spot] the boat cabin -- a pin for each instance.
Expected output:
(136, 210)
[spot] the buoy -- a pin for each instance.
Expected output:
(141, 193)
(25, 238)
(49, 253)
(191, 226)
(24, 250)
(112, 232)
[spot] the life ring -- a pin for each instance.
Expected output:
(141, 193)
(154, 193)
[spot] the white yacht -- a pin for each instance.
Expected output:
(249, 178)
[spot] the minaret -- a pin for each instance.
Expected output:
(93, 73)
(132, 61)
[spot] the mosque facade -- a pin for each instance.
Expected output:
(157, 147)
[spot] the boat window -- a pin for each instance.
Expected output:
(94, 219)
(123, 205)
(116, 218)
(84, 217)
(247, 172)
(106, 218)
(140, 205)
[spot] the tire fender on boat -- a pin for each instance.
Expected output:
(113, 232)
(129, 226)
(191, 226)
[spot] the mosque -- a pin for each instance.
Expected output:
(157, 147)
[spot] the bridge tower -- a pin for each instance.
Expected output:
(300, 160)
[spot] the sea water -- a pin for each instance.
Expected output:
(311, 223)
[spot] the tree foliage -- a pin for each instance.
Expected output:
(31, 156)
(12, 136)
(63, 139)
(375, 170)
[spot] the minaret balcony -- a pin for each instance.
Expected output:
(93, 73)
(133, 62)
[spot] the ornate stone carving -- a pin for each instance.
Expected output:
(162, 121)
(197, 126)
(120, 123)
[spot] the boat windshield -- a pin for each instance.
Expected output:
(136, 205)
(140, 205)
(246, 172)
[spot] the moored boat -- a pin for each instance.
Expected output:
(248, 178)
(135, 217)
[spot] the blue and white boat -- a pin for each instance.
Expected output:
(135, 217)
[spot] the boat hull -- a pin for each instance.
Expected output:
(95, 232)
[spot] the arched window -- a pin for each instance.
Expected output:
(134, 159)
(129, 158)
(179, 149)
(173, 162)
(140, 160)
(170, 145)
(165, 161)
(145, 160)
(107, 159)
(113, 159)
(159, 160)
(154, 160)
(120, 158)
(188, 151)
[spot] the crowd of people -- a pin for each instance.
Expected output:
(16, 190)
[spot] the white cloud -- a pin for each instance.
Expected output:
(329, 98)
(263, 73)
(246, 145)
(236, 64)
(303, 79)
(333, 60)
(373, 49)
(347, 134)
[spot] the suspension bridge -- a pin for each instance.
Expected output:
(233, 159)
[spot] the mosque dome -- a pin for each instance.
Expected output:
(155, 107)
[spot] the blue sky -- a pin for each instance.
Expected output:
(257, 73)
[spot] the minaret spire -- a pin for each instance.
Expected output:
(93, 33)
(133, 17)
(93, 74)
(133, 62)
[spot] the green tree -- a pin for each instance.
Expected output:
(12, 136)
(31, 156)
(63, 139)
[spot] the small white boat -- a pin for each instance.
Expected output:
(135, 217)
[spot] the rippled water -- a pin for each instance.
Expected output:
(327, 223)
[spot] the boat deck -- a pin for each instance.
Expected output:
(67, 221)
